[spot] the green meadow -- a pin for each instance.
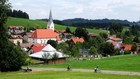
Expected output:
(117, 63)
(42, 24)
(62, 75)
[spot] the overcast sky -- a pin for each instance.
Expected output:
(88, 9)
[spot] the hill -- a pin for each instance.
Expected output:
(118, 63)
(89, 23)
(42, 24)
(82, 20)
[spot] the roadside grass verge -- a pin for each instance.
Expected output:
(62, 75)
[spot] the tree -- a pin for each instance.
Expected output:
(127, 33)
(127, 40)
(116, 27)
(136, 39)
(11, 56)
(68, 30)
(93, 50)
(80, 32)
(52, 42)
(9, 12)
(55, 57)
(104, 35)
(63, 47)
(46, 57)
(134, 48)
(75, 50)
(118, 35)
(135, 30)
(106, 49)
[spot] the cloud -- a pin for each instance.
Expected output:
(18, 4)
(116, 3)
(78, 10)
(65, 9)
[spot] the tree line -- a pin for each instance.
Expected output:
(17, 14)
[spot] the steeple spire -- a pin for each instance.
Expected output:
(50, 22)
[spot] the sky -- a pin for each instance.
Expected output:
(88, 9)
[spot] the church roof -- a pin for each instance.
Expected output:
(45, 33)
(50, 22)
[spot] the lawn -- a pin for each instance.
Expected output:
(62, 75)
(42, 24)
(118, 63)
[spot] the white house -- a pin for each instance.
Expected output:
(41, 36)
(50, 51)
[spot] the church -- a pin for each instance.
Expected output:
(41, 36)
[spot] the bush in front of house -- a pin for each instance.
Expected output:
(127, 52)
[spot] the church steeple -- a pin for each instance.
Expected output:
(50, 22)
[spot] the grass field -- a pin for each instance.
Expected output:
(62, 75)
(41, 24)
(118, 63)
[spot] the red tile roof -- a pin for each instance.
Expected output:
(45, 33)
(116, 39)
(16, 27)
(62, 31)
(127, 46)
(75, 40)
(37, 48)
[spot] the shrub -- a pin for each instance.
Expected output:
(127, 52)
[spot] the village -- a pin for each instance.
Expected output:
(51, 39)
(35, 43)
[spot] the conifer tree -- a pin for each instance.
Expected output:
(11, 56)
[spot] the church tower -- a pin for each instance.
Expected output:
(50, 22)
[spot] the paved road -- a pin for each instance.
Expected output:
(88, 70)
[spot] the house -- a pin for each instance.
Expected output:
(16, 29)
(92, 35)
(50, 51)
(84, 51)
(16, 39)
(27, 37)
(138, 47)
(42, 36)
(66, 36)
(25, 46)
(75, 40)
(118, 40)
(126, 47)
